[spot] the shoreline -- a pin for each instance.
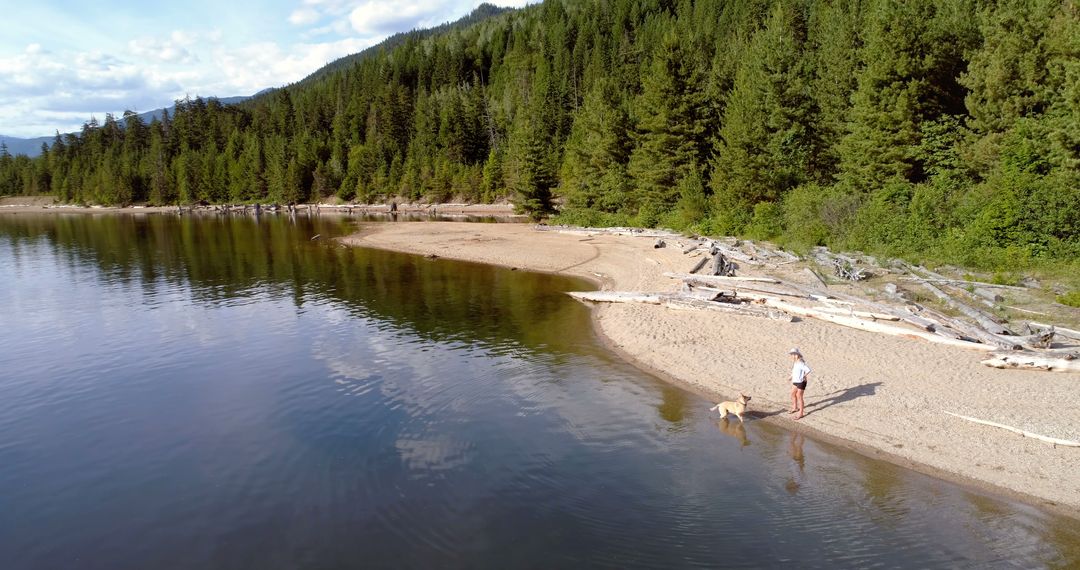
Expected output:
(46, 205)
(905, 426)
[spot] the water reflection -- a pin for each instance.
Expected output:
(672, 407)
(795, 450)
(735, 429)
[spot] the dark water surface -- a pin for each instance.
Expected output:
(215, 393)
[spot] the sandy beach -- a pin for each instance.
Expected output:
(881, 395)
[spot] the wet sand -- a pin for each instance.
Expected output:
(883, 396)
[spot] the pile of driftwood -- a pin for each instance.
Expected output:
(1025, 345)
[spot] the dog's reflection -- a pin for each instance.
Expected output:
(736, 430)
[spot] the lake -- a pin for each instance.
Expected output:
(214, 392)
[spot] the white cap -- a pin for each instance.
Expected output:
(794, 351)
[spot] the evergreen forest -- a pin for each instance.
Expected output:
(945, 129)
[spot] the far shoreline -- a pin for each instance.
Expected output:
(47, 205)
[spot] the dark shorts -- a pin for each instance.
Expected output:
(800, 385)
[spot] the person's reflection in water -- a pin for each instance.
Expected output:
(795, 449)
(734, 429)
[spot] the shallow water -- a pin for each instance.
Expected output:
(227, 393)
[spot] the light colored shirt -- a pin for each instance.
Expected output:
(799, 372)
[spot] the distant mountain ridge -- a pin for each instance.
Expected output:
(480, 13)
(29, 147)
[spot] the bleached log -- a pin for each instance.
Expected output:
(1028, 311)
(953, 326)
(1044, 339)
(691, 247)
(904, 315)
(843, 266)
(735, 254)
(816, 275)
(861, 314)
(721, 266)
(925, 324)
(788, 256)
(739, 286)
(872, 326)
(988, 298)
(988, 295)
(1061, 331)
(977, 333)
(679, 301)
(720, 279)
(734, 308)
(961, 282)
(1028, 360)
(620, 231)
(978, 316)
(1062, 353)
(619, 297)
(701, 263)
(1052, 440)
(710, 293)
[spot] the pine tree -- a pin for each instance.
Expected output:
(672, 134)
(768, 136)
(594, 169)
(530, 174)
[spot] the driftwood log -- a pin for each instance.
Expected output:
(732, 280)
(861, 314)
(633, 232)
(701, 263)
(1027, 360)
(961, 282)
(872, 326)
(1060, 331)
(816, 275)
(972, 332)
(735, 308)
(679, 301)
(721, 266)
(984, 320)
(1051, 440)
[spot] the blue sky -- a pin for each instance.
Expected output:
(63, 61)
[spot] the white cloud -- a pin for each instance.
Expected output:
(377, 17)
(256, 66)
(304, 17)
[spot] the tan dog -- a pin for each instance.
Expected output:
(737, 407)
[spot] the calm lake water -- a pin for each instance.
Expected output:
(226, 393)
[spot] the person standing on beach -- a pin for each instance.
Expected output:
(799, 374)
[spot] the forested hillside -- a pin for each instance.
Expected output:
(941, 127)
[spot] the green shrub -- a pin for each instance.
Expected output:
(589, 218)
(1071, 299)
(768, 221)
(804, 210)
